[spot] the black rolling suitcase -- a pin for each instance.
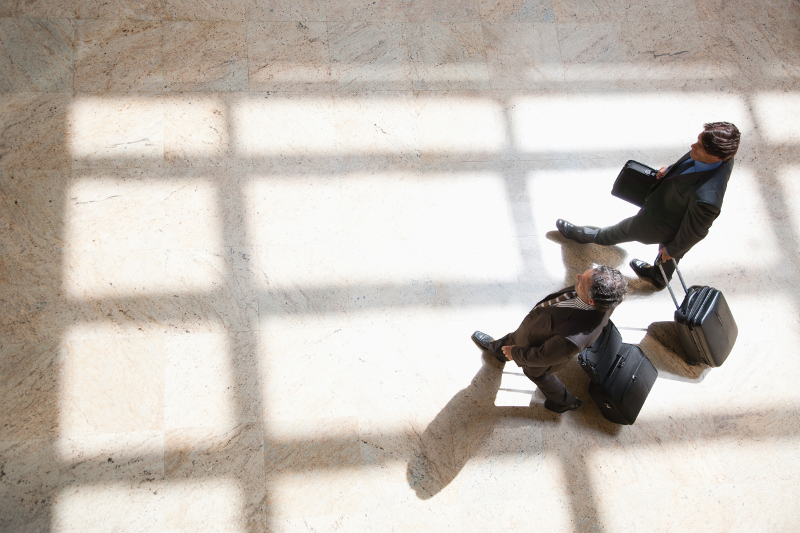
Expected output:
(704, 321)
(621, 374)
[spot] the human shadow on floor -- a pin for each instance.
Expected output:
(463, 427)
(434, 465)
(579, 257)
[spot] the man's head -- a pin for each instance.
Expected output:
(602, 287)
(718, 141)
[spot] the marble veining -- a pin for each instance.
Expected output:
(200, 131)
(369, 56)
(287, 10)
(35, 55)
(517, 11)
(442, 11)
(118, 55)
(454, 50)
(766, 57)
(205, 56)
(32, 131)
(193, 501)
(121, 9)
(521, 55)
(207, 10)
(754, 11)
(243, 245)
(288, 56)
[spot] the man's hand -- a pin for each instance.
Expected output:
(664, 255)
(507, 352)
(661, 172)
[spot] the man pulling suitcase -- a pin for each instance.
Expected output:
(679, 208)
(556, 329)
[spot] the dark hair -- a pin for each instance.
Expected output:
(608, 287)
(720, 139)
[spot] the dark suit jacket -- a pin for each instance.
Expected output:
(550, 336)
(679, 209)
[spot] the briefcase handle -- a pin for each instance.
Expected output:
(678, 270)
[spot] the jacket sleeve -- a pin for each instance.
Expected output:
(694, 227)
(555, 350)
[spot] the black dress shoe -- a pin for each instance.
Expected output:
(563, 407)
(644, 271)
(482, 341)
(570, 231)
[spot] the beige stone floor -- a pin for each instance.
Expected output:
(243, 245)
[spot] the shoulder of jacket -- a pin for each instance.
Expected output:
(712, 191)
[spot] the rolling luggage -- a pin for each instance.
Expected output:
(704, 321)
(621, 375)
(634, 182)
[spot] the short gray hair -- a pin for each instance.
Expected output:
(608, 287)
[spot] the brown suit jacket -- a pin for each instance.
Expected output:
(549, 337)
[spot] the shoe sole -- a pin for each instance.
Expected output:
(479, 345)
(658, 286)
(652, 281)
(562, 232)
(489, 352)
(565, 410)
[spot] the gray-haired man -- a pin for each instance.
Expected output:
(556, 329)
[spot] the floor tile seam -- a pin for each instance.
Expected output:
(360, 324)
(162, 45)
(343, 92)
(43, 91)
(481, 18)
(46, 439)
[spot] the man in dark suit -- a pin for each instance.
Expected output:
(556, 329)
(679, 208)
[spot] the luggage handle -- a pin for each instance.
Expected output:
(678, 270)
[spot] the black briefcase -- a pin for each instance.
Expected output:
(634, 182)
(704, 321)
(621, 375)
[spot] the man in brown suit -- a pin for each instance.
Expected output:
(556, 329)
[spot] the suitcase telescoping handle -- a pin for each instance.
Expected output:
(661, 268)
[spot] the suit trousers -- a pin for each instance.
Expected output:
(626, 231)
(552, 387)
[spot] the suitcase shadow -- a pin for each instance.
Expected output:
(663, 347)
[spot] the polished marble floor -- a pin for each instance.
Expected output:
(243, 245)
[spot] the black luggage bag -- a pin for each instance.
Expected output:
(621, 374)
(634, 182)
(704, 321)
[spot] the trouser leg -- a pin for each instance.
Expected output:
(619, 232)
(499, 343)
(495, 347)
(551, 386)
